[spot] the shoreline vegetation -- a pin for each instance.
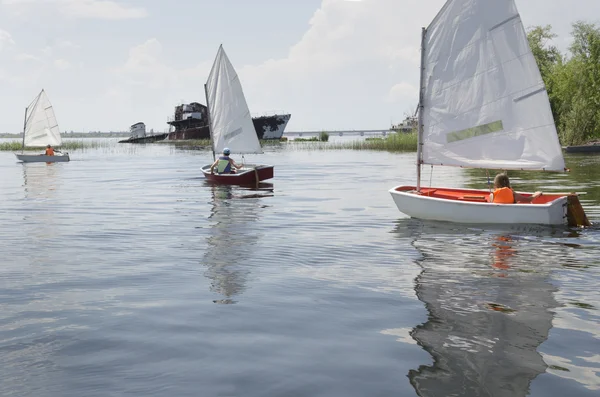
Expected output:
(14, 146)
(393, 142)
(572, 80)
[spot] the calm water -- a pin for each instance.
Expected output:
(124, 273)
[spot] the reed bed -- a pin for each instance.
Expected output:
(14, 146)
(396, 142)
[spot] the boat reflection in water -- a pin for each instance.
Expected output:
(40, 179)
(489, 301)
(234, 236)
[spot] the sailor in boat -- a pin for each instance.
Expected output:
(50, 151)
(224, 164)
(503, 194)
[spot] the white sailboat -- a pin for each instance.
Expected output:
(483, 104)
(230, 123)
(41, 129)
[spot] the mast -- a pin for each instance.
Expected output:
(24, 128)
(420, 126)
(212, 142)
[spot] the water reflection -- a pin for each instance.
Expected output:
(234, 236)
(490, 306)
(40, 180)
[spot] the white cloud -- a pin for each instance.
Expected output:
(354, 56)
(402, 92)
(62, 64)
(144, 67)
(355, 65)
(101, 10)
(23, 57)
(145, 85)
(90, 9)
(66, 44)
(6, 40)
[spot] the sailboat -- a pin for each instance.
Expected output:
(483, 104)
(41, 129)
(230, 124)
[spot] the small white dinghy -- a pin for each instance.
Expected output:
(483, 104)
(41, 129)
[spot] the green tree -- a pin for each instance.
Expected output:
(548, 58)
(578, 86)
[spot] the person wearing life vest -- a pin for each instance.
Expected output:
(503, 194)
(225, 164)
(50, 151)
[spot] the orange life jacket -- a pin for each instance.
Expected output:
(49, 151)
(504, 195)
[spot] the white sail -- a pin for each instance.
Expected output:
(41, 127)
(484, 102)
(230, 120)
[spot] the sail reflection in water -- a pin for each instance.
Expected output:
(234, 237)
(41, 183)
(41, 179)
(489, 301)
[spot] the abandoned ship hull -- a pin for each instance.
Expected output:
(267, 127)
(145, 139)
(190, 133)
(271, 127)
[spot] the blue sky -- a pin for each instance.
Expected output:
(332, 64)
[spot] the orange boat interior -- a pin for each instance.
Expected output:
(474, 196)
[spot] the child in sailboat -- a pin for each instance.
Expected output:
(503, 194)
(50, 151)
(224, 164)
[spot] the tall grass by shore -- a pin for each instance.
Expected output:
(395, 142)
(14, 146)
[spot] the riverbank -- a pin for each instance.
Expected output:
(395, 142)
(13, 146)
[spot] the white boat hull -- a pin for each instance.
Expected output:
(42, 158)
(452, 210)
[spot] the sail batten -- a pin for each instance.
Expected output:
(41, 126)
(230, 119)
(485, 104)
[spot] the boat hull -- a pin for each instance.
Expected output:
(42, 158)
(471, 206)
(267, 127)
(146, 139)
(271, 127)
(583, 149)
(190, 133)
(249, 175)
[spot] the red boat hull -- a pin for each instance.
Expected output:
(249, 175)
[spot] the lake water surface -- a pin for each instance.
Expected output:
(124, 273)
